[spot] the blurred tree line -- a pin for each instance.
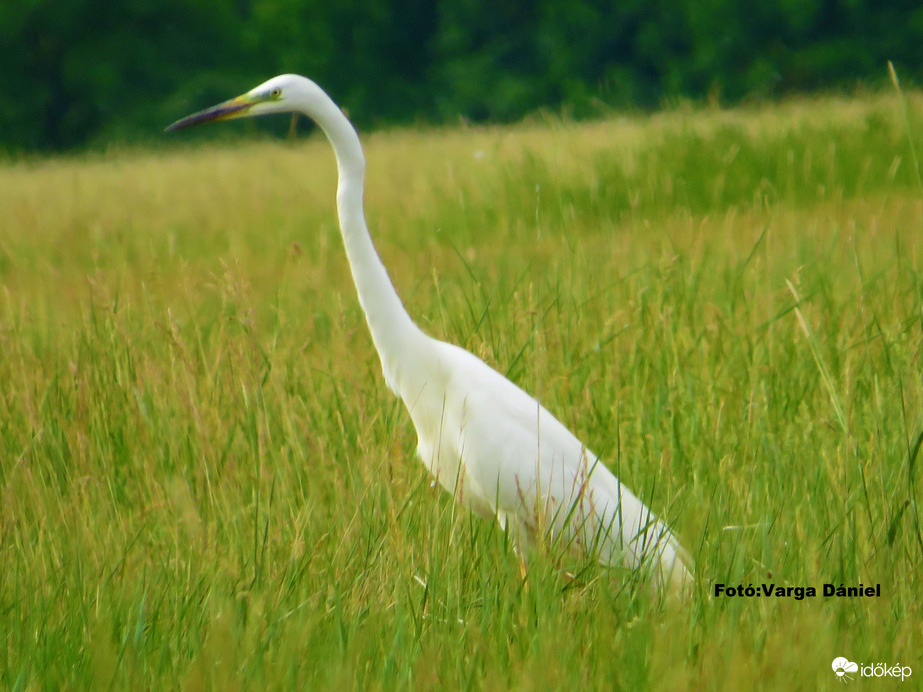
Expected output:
(74, 72)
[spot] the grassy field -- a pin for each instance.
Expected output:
(206, 484)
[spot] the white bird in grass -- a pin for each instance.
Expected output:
(491, 445)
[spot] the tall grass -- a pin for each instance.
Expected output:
(206, 484)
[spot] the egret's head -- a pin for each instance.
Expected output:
(281, 94)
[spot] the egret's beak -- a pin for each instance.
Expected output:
(235, 108)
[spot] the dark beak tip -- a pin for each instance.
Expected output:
(181, 124)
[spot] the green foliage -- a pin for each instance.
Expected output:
(75, 69)
(78, 71)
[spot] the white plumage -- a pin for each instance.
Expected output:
(489, 443)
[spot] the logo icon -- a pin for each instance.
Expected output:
(842, 667)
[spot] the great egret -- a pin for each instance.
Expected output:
(491, 445)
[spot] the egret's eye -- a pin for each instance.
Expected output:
(275, 93)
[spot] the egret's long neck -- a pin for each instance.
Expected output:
(392, 329)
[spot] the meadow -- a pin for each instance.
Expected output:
(207, 486)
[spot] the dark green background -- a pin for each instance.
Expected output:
(89, 72)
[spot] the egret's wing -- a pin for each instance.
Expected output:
(527, 464)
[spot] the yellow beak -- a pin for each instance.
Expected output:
(235, 108)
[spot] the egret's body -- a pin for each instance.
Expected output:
(486, 441)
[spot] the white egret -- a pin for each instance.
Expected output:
(491, 445)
